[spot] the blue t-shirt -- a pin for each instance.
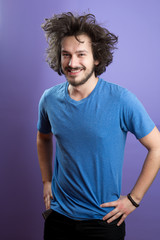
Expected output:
(90, 141)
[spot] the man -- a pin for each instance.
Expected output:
(90, 119)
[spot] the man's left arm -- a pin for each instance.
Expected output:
(123, 206)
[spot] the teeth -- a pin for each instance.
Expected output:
(75, 71)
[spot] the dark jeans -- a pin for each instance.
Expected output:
(59, 227)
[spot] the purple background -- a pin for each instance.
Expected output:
(24, 77)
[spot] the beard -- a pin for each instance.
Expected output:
(83, 80)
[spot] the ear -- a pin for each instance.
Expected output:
(96, 62)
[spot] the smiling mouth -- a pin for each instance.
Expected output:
(74, 70)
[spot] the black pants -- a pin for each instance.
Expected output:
(59, 227)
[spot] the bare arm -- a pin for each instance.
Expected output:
(151, 165)
(45, 153)
(123, 207)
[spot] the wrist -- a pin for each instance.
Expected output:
(133, 200)
(135, 197)
(46, 182)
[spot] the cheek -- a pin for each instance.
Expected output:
(90, 62)
(63, 63)
(86, 62)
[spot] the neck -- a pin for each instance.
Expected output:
(79, 92)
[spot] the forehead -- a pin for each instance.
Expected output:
(70, 43)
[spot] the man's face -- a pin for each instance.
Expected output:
(77, 59)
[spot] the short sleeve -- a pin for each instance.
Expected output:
(134, 117)
(43, 124)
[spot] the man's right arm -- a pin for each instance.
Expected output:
(45, 154)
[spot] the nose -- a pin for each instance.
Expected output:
(73, 62)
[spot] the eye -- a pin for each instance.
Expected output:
(66, 55)
(81, 54)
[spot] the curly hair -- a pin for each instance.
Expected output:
(66, 24)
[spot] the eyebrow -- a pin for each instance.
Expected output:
(80, 51)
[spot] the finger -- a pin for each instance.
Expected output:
(47, 205)
(122, 219)
(114, 217)
(111, 214)
(109, 204)
(47, 202)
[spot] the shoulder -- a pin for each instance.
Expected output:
(115, 90)
(55, 90)
(119, 95)
(51, 94)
